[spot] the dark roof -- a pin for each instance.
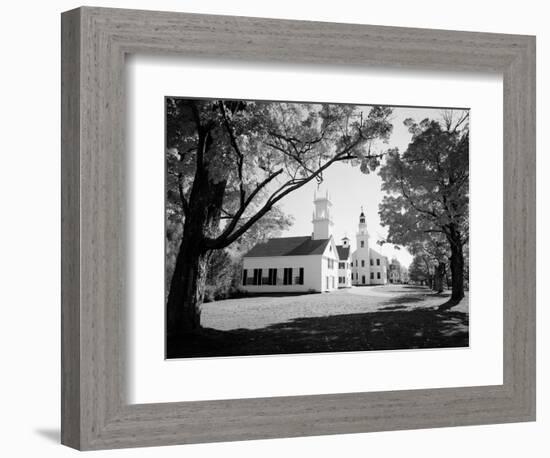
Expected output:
(343, 251)
(288, 246)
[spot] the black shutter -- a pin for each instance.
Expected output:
(301, 275)
(245, 274)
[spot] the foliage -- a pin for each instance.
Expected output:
(262, 151)
(427, 186)
(419, 270)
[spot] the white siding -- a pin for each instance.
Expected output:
(345, 273)
(379, 269)
(361, 267)
(330, 275)
(312, 273)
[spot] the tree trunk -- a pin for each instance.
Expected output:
(187, 286)
(457, 274)
(439, 275)
(186, 290)
(457, 268)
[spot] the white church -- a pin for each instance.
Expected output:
(314, 262)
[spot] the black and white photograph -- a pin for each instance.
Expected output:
(309, 227)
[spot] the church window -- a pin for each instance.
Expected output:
(378, 275)
(362, 243)
(362, 263)
(377, 261)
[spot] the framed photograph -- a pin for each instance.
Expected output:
(278, 228)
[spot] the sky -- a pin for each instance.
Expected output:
(350, 189)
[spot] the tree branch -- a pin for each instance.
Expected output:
(240, 156)
(229, 235)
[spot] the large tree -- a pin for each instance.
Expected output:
(230, 163)
(427, 188)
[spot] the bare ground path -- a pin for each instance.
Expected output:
(355, 319)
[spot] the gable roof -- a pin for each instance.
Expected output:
(373, 253)
(288, 246)
(343, 251)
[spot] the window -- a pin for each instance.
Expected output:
(372, 275)
(272, 278)
(378, 275)
(257, 279)
(362, 263)
(341, 265)
(377, 261)
(356, 263)
(362, 243)
(371, 263)
(287, 276)
(363, 279)
(245, 275)
(330, 263)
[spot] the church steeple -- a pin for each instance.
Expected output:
(362, 232)
(322, 221)
(362, 216)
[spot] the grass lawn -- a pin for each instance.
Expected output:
(357, 319)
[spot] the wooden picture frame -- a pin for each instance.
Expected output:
(95, 411)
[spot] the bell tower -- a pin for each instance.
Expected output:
(362, 232)
(322, 221)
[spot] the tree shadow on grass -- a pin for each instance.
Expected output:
(381, 330)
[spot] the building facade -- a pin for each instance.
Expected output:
(344, 263)
(313, 262)
(368, 266)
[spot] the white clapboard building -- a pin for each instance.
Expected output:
(368, 266)
(312, 262)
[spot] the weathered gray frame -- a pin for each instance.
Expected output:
(95, 413)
